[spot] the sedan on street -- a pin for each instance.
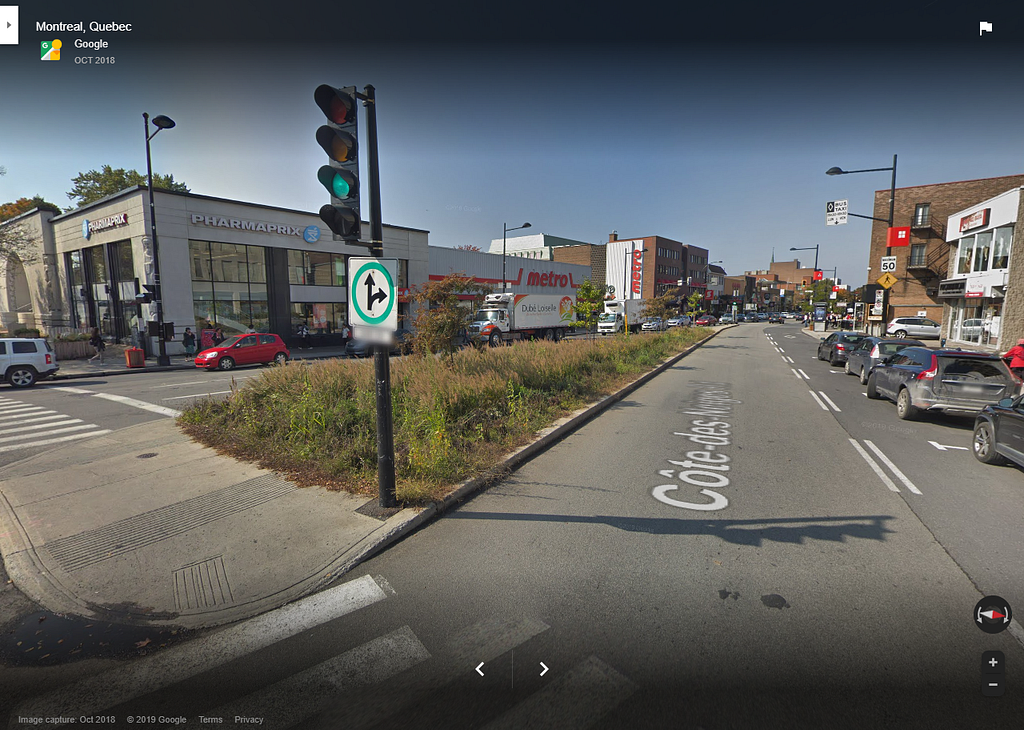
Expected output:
(706, 320)
(244, 350)
(683, 320)
(870, 351)
(653, 324)
(835, 347)
(954, 381)
(999, 432)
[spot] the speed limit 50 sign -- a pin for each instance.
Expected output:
(888, 264)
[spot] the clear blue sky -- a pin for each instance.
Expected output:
(716, 141)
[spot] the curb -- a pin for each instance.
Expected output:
(516, 459)
(159, 369)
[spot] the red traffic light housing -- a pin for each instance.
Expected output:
(338, 138)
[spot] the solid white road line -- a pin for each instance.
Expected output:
(806, 376)
(577, 699)
(874, 466)
(58, 440)
(37, 412)
(124, 400)
(818, 400)
(38, 426)
(142, 676)
(892, 467)
(943, 447)
(304, 694)
(829, 401)
(198, 395)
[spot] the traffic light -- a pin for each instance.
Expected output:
(146, 297)
(339, 139)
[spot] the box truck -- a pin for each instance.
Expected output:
(621, 314)
(507, 317)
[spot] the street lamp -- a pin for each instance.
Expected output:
(810, 248)
(504, 235)
(889, 221)
(160, 122)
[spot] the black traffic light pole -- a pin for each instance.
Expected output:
(381, 353)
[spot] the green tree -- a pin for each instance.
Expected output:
(441, 316)
(695, 303)
(89, 187)
(661, 307)
(589, 304)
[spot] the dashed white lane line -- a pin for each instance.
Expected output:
(829, 401)
(125, 400)
(874, 466)
(892, 467)
(806, 376)
(818, 400)
(789, 359)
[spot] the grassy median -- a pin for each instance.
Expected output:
(454, 418)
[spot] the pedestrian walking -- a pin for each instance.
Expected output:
(189, 341)
(1016, 357)
(303, 332)
(97, 342)
(218, 336)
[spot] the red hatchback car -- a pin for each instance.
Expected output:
(244, 350)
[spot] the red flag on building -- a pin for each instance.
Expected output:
(898, 237)
(819, 275)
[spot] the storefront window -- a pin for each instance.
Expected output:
(964, 255)
(296, 267)
(339, 270)
(1001, 247)
(228, 262)
(403, 274)
(320, 317)
(229, 286)
(982, 247)
(320, 269)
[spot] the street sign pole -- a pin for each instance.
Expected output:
(382, 353)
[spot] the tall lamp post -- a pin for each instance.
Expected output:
(160, 122)
(504, 236)
(888, 221)
(809, 248)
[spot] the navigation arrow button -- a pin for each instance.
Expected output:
(545, 669)
(478, 669)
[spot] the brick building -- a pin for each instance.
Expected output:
(924, 263)
(584, 255)
(653, 265)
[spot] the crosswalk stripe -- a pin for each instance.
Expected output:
(58, 440)
(577, 699)
(39, 411)
(33, 418)
(14, 409)
(304, 694)
(172, 665)
(38, 426)
(23, 436)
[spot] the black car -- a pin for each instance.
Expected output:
(775, 319)
(402, 345)
(835, 347)
(870, 351)
(999, 432)
(953, 381)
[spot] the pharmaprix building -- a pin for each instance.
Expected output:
(223, 263)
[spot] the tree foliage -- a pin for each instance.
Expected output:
(14, 241)
(589, 304)
(468, 247)
(24, 205)
(441, 317)
(661, 307)
(695, 303)
(88, 187)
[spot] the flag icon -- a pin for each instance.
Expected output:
(898, 237)
(50, 50)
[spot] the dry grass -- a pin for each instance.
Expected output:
(454, 418)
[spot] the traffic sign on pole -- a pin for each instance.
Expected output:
(373, 299)
(888, 264)
(886, 280)
(835, 212)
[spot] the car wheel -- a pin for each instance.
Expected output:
(280, 358)
(863, 376)
(22, 376)
(984, 445)
(900, 334)
(559, 334)
(846, 368)
(819, 354)
(226, 363)
(832, 359)
(906, 410)
(872, 391)
(494, 340)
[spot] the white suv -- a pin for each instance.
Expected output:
(913, 327)
(25, 360)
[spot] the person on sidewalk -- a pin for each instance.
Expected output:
(218, 336)
(188, 340)
(1016, 357)
(97, 342)
(303, 333)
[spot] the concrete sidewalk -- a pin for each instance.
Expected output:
(144, 526)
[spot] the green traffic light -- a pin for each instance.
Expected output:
(340, 187)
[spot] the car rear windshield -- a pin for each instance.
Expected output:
(888, 348)
(971, 368)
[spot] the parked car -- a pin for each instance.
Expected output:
(706, 320)
(26, 360)
(683, 320)
(953, 381)
(726, 319)
(971, 329)
(263, 348)
(835, 347)
(402, 345)
(653, 324)
(775, 318)
(902, 327)
(870, 351)
(999, 432)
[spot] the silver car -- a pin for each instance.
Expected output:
(903, 327)
(653, 324)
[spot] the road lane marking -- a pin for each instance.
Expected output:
(895, 470)
(781, 350)
(818, 400)
(20, 407)
(198, 395)
(23, 436)
(806, 376)
(58, 440)
(38, 426)
(874, 466)
(124, 400)
(791, 360)
(830, 401)
(33, 419)
(38, 412)
(943, 447)
(152, 673)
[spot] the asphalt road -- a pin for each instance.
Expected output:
(795, 588)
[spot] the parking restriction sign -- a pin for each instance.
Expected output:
(835, 212)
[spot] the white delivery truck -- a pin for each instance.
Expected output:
(621, 314)
(508, 317)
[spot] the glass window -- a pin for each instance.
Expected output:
(320, 268)
(23, 347)
(917, 254)
(296, 267)
(922, 213)
(3, 348)
(199, 252)
(964, 254)
(257, 257)
(267, 339)
(249, 341)
(339, 269)
(1001, 247)
(982, 248)
(228, 262)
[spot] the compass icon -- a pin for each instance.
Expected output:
(992, 614)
